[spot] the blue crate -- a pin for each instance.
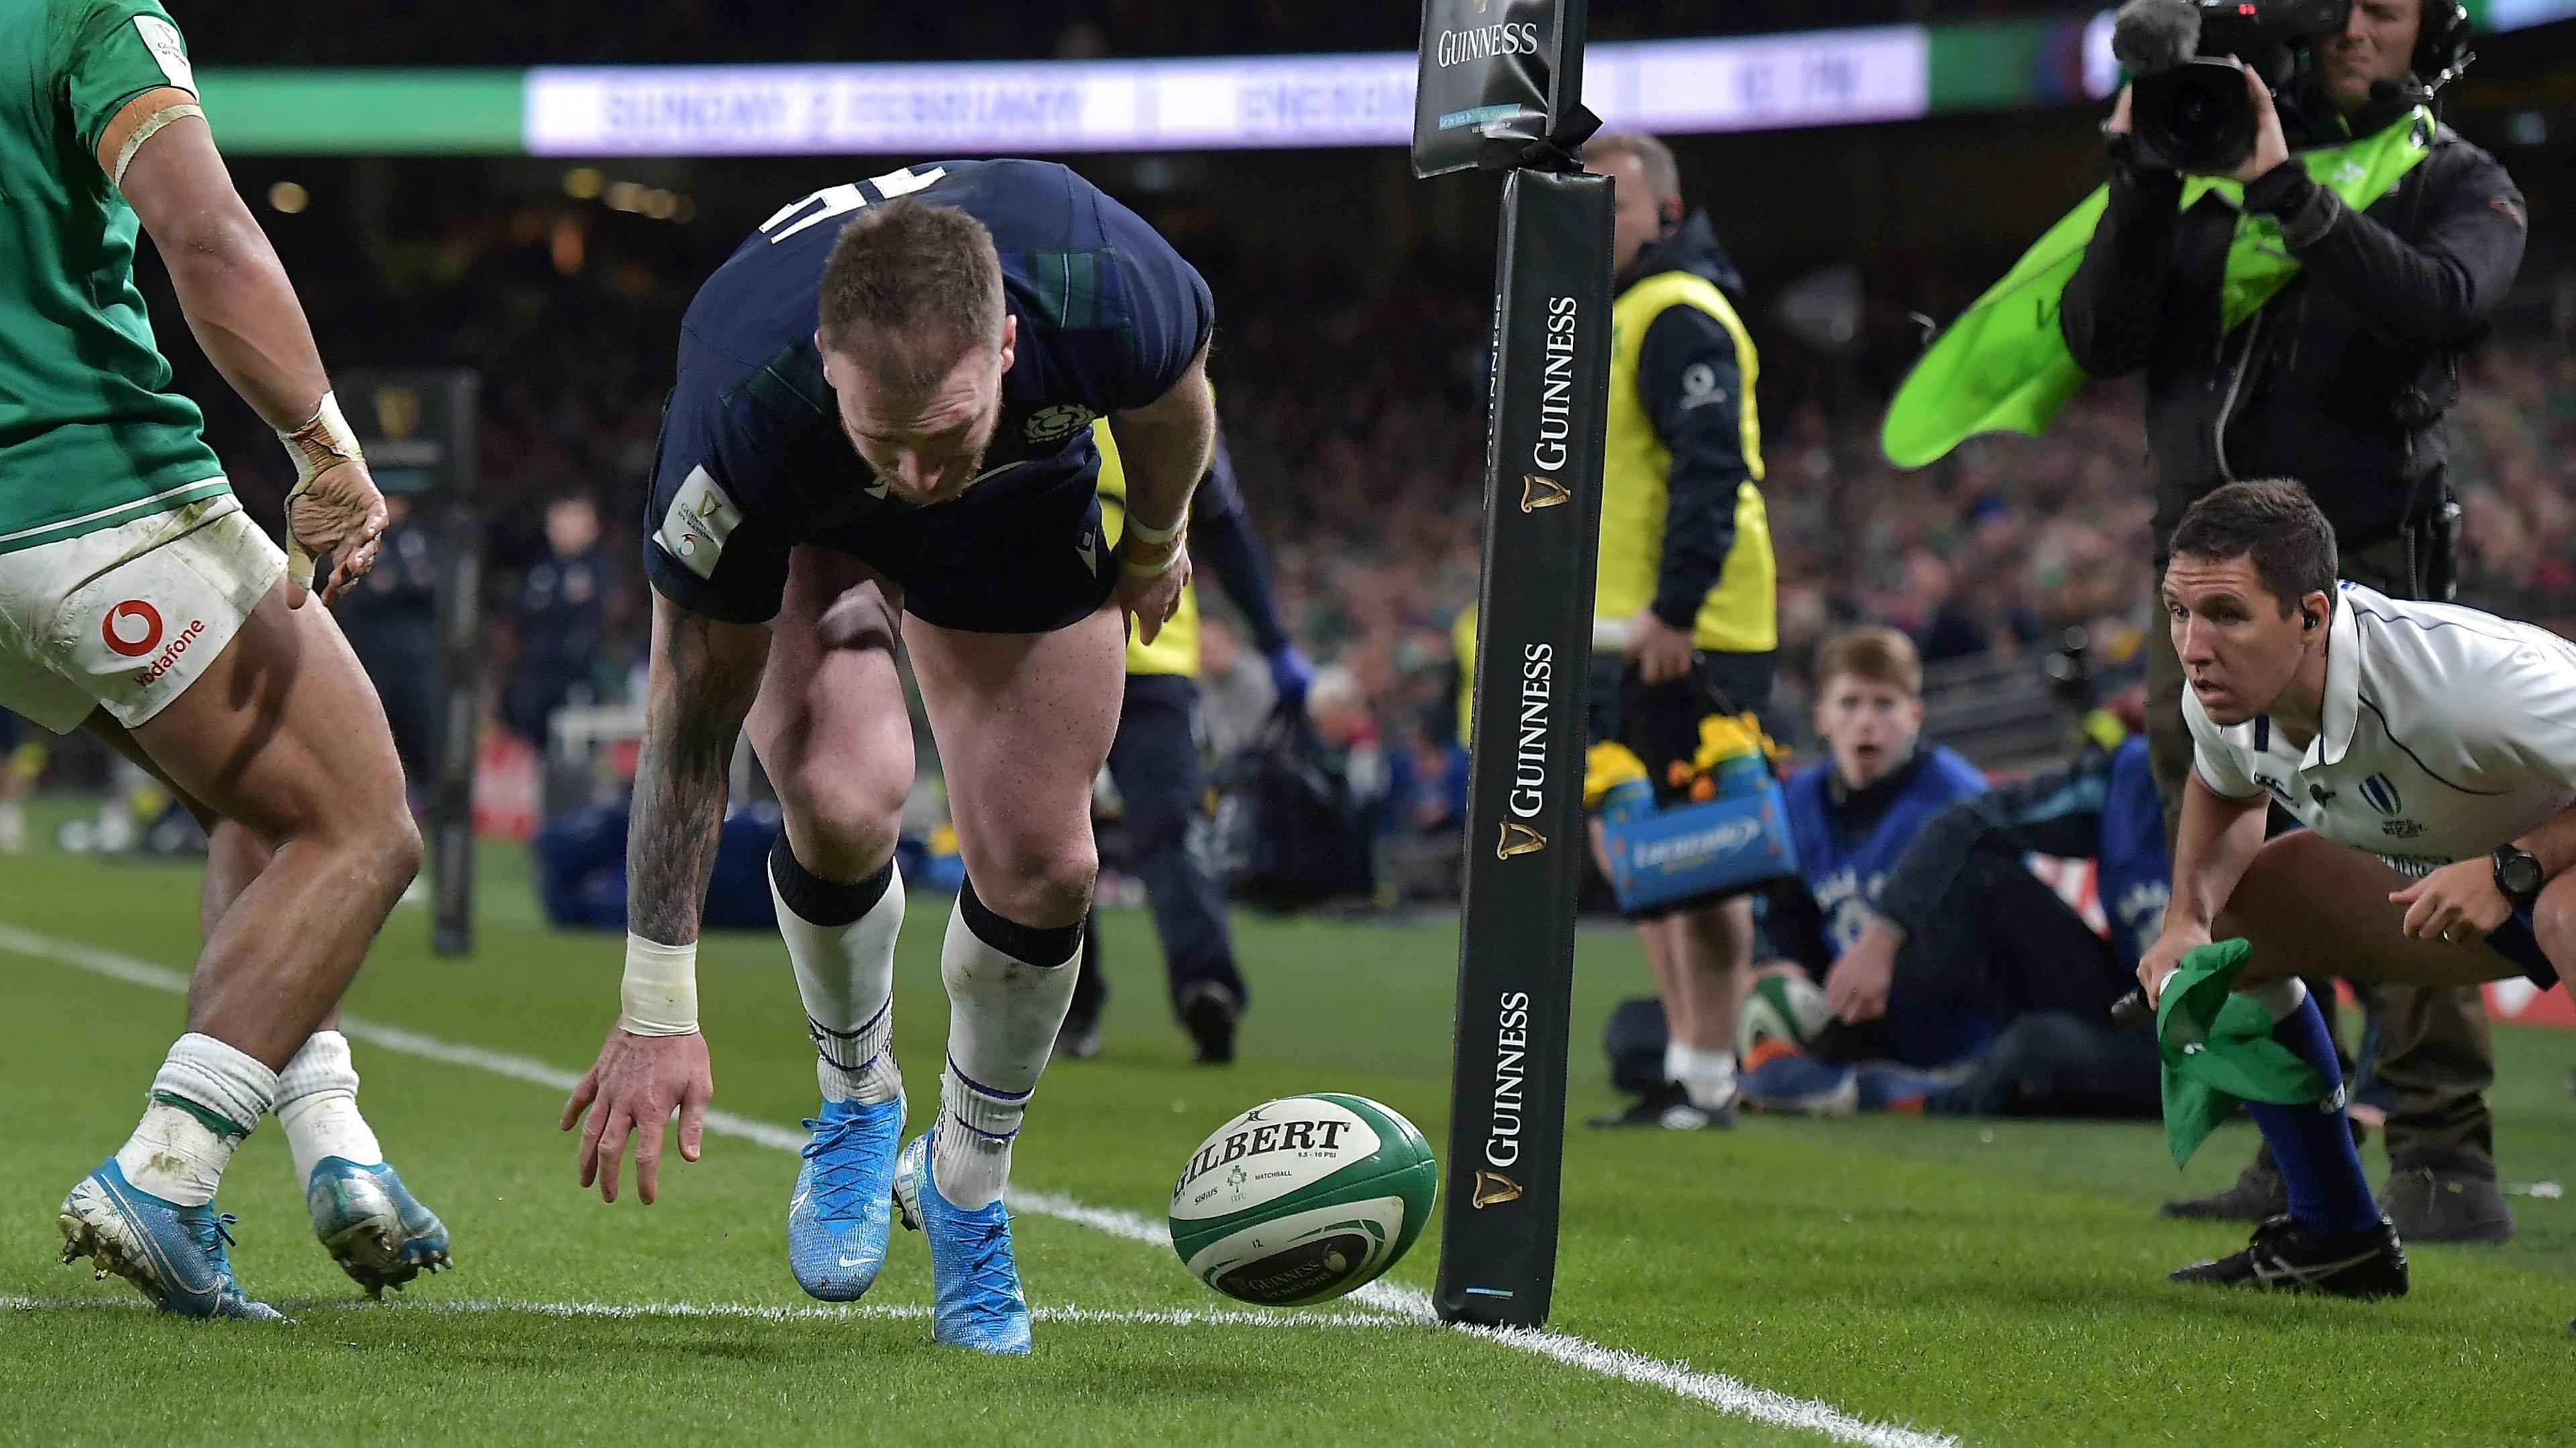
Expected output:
(1692, 852)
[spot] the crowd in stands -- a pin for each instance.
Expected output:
(1356, 419)
(524, 32)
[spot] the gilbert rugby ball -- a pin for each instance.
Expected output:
(1302, 1199)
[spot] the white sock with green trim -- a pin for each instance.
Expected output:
(204, 1101)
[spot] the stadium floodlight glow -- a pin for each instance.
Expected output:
(1231, 103)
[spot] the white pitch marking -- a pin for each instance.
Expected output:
(1716, 1390)
(758, 1312)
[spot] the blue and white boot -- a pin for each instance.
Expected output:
(976, 1298)
(174, 1254)
(838, 1221)
(372, 1225)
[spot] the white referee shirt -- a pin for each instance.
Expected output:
(2447, 732)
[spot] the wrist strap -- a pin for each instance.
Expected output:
(659, 996)
(1134, 569)
(1144, 532)
(324, 441)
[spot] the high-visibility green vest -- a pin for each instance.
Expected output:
(1741, 613)
(1175, 650)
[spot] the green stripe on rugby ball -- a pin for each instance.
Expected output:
(1303, 1198)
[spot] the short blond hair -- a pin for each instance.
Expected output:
(1655, 161)
(1873, 655)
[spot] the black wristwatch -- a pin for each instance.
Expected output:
(2518, 876)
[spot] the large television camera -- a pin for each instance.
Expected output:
(2188, 105)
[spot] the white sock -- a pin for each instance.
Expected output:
(2282, 997)
(204, 1101)
(317, 1103)
(844, 971)
(1708, 1077)
(1674, 1051)
(1004, 1008)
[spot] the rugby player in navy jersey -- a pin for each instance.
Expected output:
(882, 428)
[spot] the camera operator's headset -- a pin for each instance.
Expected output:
(2442, 50)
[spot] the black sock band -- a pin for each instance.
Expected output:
(1041, 945)
(818, 901)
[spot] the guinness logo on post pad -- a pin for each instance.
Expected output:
(1538, 490)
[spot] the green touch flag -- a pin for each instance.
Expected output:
(2003, 366)
(2218, 1049)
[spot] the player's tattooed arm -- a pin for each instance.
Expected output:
(703, 677)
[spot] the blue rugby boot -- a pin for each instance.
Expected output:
(838, 1221)
(976, 1299)
(174, 1254)
(372, 1225)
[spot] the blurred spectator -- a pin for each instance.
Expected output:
(559, 611)
(391, 620)
(1426, 778)
(1235, 691)
(1343, 721)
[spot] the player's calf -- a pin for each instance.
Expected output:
(1008, 987)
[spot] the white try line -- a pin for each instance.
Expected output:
(1404, 1305)
(747, 1311)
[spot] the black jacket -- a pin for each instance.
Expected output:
(2341, 380)
(1694, 393)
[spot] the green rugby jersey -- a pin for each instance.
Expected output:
(90, 434)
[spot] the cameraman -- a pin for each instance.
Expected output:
(2341, 379)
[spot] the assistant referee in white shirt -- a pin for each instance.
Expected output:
(2431, 751)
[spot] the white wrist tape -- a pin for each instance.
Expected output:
(321, 443)
(1147, 533)
(1151, 570)
(660, 993)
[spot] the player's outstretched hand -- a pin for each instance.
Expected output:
(1149, 592)
(338, 513)
(638, 1080)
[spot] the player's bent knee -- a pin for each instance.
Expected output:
(850, 817)
(2553, 924)
(395, 851)
(1042, 886)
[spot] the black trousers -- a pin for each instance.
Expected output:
(1155, 764)
(2435, 1052)
(403, 665)
(2001, 940)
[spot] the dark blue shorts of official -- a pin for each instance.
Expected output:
(1666, 717)
(2514, 941)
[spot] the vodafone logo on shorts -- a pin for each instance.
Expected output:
(132, 628)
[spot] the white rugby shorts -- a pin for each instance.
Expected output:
(130, 616)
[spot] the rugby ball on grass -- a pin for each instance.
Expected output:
(1302, 1199)
(1786, 1007)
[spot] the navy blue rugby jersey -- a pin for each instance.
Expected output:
(752, 459)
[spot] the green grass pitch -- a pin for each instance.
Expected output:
(1998, 1283)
